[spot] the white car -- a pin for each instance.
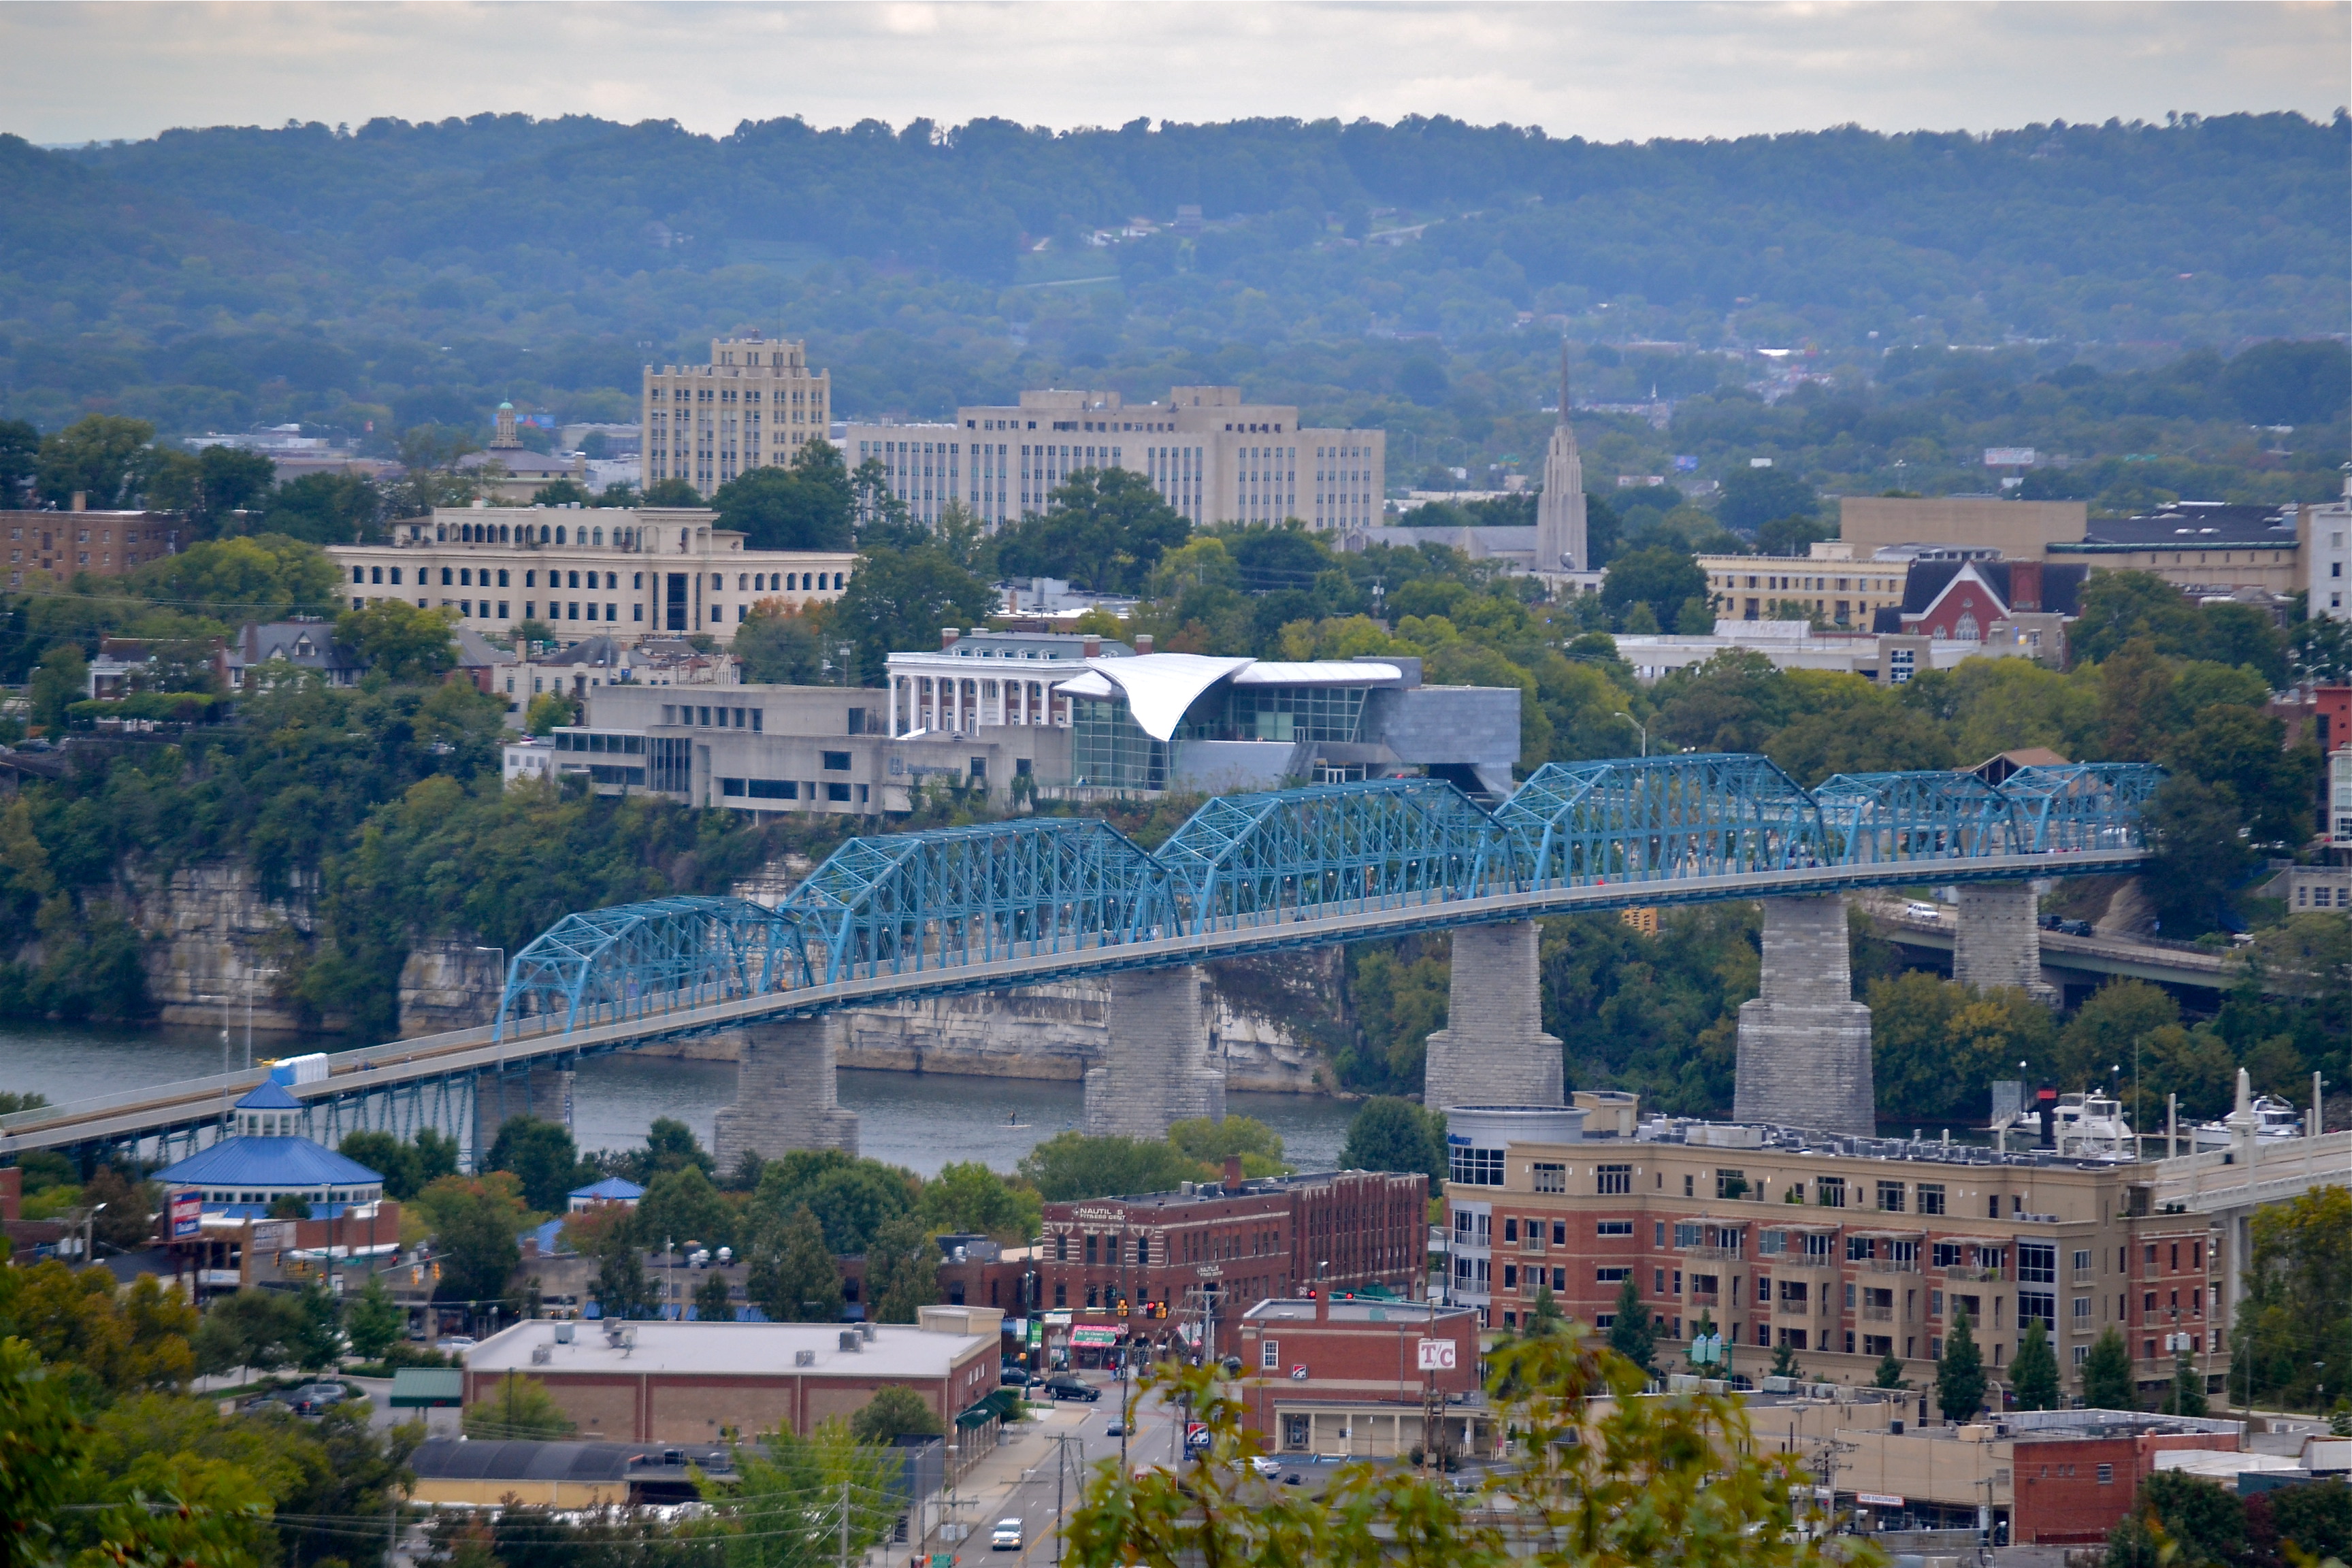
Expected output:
(1921, 912)
(1006, 1536)
(1266, 1466)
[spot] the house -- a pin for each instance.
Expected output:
(611, 1190)
(2026, 603)
(304, 643)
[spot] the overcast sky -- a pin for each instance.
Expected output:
(72, 72)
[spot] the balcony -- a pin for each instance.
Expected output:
(1878, 1314)
(1705, 1299)
(1533, 1243)
(1890, 1265)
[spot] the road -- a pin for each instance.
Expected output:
(1019, 1480)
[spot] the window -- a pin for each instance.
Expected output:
(1510, 1276)
(836, 761)
(1731, 1184)
(1269, 1355)
(2037, 1304)
(2037, 1263)
(1931, 1197)
(1474, 1167)
(836, 792)
(1612, 1276)
(1830, 1191)
(1658, 1282)
(1890, 1197)
(2082, 1309)
(1613, 1228)
(1550, 1178)
(2081, 1262)
(2106, 1475)
(1612, 1179)
(1686, 1233)
(1947, 1255)
(1511, 1230)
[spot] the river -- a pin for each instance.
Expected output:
(919, 1121)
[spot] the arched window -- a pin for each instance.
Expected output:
(559, 533)
(600, 536)
(1966, 628)
(542, 533)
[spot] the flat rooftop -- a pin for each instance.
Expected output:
(730, 1350)
(1286, 1309)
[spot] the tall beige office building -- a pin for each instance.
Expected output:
(753, 405)
(1211, 456)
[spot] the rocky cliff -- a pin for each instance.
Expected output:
(214, 940)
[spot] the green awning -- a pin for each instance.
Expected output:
(427, 1387)
(996, 1406)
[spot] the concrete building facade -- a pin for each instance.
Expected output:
(624, 572)
(755, 404)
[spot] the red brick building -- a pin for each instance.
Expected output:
(1127, 1261)
(108, 544)
(1345, 1376)
(2072, 1487)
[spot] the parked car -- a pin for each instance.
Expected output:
(1015, 1377)
(1006, 1536)
(2075, 928)
(1071, 1388)
(1265, 1465)
(314, 1398)
(1919, 911)
(456, 1341)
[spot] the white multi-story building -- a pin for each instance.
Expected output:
(1212, 457)
(754, 406)
(626, 573)
(2328, 557)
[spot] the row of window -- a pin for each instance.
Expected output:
(779, 789)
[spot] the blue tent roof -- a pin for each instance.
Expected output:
(269, 1095)
(268, 1163)
(610, 1189)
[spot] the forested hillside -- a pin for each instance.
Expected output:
(1413, 276)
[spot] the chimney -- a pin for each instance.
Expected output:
(1232, 1173)
(1093, 647)
(1143, 643)
(80, 501)
(2025, 584)
(947, 636)
(2046, 1108)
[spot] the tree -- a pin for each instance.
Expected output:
(2298, 1306)
(968, 1198)
(326, 509)
(318, 1342)
(521, 1408)
(902, 1271)
(895, 1412)
(20, 447)
(2187, 1386)
(1658, 578)
(623, 1291)
(474, 1221)
(2200, 858)
(2108, 1374)
(404, 643)
(541, 1157)
(1752, 496)
(376, 1322)
(2033, 1375)
(62, 680)
(1890, 1373)
(680, 1209)
(899, 599)
(1959, 1374)
(2204, 1525)
(1072, 1165)
(806, 507)
(127, 1220)
(104, 458)
(671, 492)
(44, 1452)
(1784, 1362)
(793, 1277)
(549, 711)
(1103, 529)
(1391, 1134)
(265, 577)
(210, 486)
(1631, 1333)
(713, 1299)
(780, 646)
(1214, 1139)
(1793, 535)
(253, 1328)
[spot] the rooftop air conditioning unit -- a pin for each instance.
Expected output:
(541, 1354)
(563, 1334)
(865, 1332)
(804, 1358)
(851, 1340)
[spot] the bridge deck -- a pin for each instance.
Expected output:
(167, 1108)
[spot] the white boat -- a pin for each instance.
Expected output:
(2091, 1127)
(2275, 1121)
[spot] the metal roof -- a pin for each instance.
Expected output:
(460, 1459)
(610, 1187)
(269, 1095)
(268, 1163)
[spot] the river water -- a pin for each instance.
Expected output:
(919, 1121)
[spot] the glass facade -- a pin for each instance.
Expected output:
(1109, 751)
(1276, 713)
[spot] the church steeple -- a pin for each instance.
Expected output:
(1559, 510)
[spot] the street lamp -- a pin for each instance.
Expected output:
(502, 1000)
(1637, 724)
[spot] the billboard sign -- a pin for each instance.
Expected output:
(2009, 457)
(187, 1214)
(1437, 1355)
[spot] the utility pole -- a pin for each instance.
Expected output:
(845, 1524)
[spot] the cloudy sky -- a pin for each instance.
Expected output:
(72, 72)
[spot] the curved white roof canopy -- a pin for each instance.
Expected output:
(1160, 687)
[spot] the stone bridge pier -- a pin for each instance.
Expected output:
(1804, 1042)
(1493, 1049)
(1998, 940)
(541, 1089)
(786, 1093)
(1159, 1063)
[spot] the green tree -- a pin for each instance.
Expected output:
(782, 1508)
(806, 507)
(474, 1222)
(212, 485)
(20, 447)
(1657, 578)
(375, 1322)
(671, 492)
(1959, 1374)
(318, 1343)
(62, 680)
(680, 1207)
(265, 577)
(2200, 858)
(2108, 1374)
(253, 1328)
(899, 599)
(780, 646)
(1753, 497)
(400, 640)
(893, 1412)
(793, 1277)
(1631, 1333)
(1890, 1373)
(2118, 606)
(968, 1198)
(1103, 529)
(1784, 1362)
(549, 711)
(1214, 1140)
(1391, 1134)
(2298, 1306)
(713, 1299)
(2033, 1375)
(623, 1291)
(326, 509)
(902, 1270)
(2203, 1524)
(2188, 1398)
(103, 456)
(1072, 1165)
(541, 1157)
(520, 1408)
(44, 1453)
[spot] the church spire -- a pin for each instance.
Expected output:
(1563, 380)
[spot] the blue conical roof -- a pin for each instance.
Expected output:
(269, 1095)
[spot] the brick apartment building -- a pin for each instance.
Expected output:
(107, 543)
(1344, 1377)
(1844, 1250)
(1154, 1258)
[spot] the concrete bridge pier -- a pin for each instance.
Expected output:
(1998, 940)
(786, 1093)
(526, 1089)
(1493, 1049)
(1159, 1063)
(1804, 1042)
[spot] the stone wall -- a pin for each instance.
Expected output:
(210, 932)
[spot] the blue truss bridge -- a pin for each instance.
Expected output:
(1048, 899)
